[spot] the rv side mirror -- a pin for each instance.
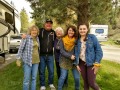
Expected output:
(8, 18)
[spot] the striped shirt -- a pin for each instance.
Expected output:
(25, 50)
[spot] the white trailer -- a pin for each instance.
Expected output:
(9, 25)
(100, 31)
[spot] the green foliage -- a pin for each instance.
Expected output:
(109, 42)
(32, 23)
(24, 21)
(100, 11)
(76, 11)
(62, 11)
(108, 77)
(112, 42)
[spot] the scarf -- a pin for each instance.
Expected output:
(69, 43)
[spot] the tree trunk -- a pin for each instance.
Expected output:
(83, 14)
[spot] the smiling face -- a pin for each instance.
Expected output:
(83, 30)
(59, 33)
(34, 32)
(70, 32)
(48, 25)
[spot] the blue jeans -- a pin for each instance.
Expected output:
(30, 72)
(63, 76)
(49, 62)
(58, 73)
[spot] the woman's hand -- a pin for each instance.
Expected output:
(78, 68)
(95, 68)
(18, 63)
(24, 36)
(72, 57)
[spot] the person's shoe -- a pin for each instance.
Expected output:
(52, 87)
(42, 88)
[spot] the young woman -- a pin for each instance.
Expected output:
(88, 55)
(59, 34)
(67, 58)
(29, 53)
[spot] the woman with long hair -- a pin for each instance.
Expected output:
(88, 55)
(29, 54)
(67, 58)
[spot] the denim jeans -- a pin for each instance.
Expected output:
(30, 72)
(58, 73)
(49, 62)
(63, 75)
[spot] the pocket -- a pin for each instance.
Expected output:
(90, 44)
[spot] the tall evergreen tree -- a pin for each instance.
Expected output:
(75, 11)
(24, 20)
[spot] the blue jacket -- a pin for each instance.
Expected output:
(94, 52)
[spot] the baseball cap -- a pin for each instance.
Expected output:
(49, 20)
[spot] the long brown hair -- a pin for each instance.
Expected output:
(73, 28)
(87, 25)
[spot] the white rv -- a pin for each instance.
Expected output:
(100, 31)
(9, 25)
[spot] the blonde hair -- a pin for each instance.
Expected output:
(31, 28)
(59, 29)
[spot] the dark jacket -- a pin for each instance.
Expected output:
(57, 49)
(46, 41)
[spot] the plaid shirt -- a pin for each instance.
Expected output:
(25, 50)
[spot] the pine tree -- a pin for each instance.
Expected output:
(75, 11)
(24, 20)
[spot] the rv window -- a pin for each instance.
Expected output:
(99, 31)
(8, 18)
(15, 37)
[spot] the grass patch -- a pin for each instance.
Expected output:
(108, 78)
(111, 42)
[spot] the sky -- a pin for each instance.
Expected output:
(20, 4)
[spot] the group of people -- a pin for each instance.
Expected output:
(80, 53)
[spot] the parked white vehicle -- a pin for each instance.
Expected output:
(9, 25)
(15, 41)
(100, 31)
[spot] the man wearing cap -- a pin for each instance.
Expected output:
(46, 37)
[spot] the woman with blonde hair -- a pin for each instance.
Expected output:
(29, 54)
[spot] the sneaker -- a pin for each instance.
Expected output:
(52, 87)
(42, 88)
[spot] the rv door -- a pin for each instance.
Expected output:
(4, 45)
